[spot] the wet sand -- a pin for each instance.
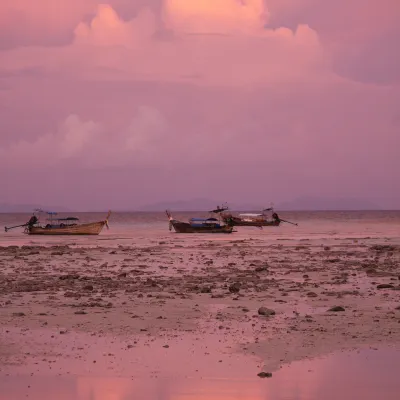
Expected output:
(193, 308)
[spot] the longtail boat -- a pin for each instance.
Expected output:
(200, 225)
(258, 220)
(61, 226)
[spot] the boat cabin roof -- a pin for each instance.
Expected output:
(68, 219)
(251, 215)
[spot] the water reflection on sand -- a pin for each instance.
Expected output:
(367, 375)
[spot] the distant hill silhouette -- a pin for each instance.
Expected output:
(28, 208)
(299, 204)
(327, 204)
(198, 204)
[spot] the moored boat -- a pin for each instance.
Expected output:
(61, 226)
(200, 225)
(258, 220)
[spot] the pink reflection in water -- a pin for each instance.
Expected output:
(367, 375)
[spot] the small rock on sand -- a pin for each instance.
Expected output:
(235, 287)
(336, 309)
(265, 374)
(18, 314)
(265, 311)
(385, 286)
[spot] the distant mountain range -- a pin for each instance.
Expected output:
(204, 204)
(328, 204)
(299, 204)
(28, 208)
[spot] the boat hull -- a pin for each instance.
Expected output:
(93, 228)
(234, 221)
(184, 227)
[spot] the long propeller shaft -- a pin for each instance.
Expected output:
(12, 227)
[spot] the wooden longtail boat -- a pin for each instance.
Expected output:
(200, 225)
(250, 220)
(62, 226)
(258, 220)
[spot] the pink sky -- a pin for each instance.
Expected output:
(130, 102)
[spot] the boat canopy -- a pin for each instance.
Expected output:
(68, 219)
(251, 215)
(39, 210)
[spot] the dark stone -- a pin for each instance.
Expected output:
(265, 375)
(80, 312)
(336, 309)
(265, 311)
(235, 287)
(18, 314)
(312, 294)
(385, 286)
(88, 288)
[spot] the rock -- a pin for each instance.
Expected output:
(336, 309)
(235, 287)
(205, 290)
(265, 311)
(261, 268)
(166, 346)
(80, 312)
(385, 286)
(265, 375)
(18, 314)
(397, 308)
(312, 294)
(88, 288)
(122, 275)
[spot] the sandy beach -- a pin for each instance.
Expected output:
(199, 307)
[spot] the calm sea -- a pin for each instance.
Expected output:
(130, 228)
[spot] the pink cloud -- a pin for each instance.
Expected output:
(40, 22)
(255, 57)
(207, 95)
(361, 37)
(215, 16)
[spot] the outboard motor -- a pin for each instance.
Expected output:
(33, 220)
(275, 216)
